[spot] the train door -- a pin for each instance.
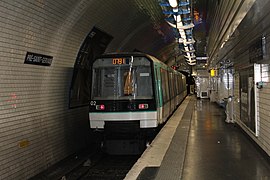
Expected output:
(157, 80)
(165, 94)
(171, 91)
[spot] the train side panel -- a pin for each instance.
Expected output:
(170, 90)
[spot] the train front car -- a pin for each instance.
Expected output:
(122, 98)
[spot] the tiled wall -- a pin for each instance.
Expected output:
(246, 27)
(263, 106)
(236, 95)
(264, 110)
(36, 127)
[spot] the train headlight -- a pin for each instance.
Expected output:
(143, 106)
(100, 107)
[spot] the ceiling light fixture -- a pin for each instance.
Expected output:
(173, 3)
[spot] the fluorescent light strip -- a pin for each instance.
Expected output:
(173, 3)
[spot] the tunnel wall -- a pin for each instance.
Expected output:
(258, 27)
(37, 127)
(239, 50)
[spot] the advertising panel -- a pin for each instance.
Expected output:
(247, 100)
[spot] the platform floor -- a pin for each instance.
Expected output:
(203, 147)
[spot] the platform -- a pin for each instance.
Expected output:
(197, 144)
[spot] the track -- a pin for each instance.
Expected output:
(102, 166)
(111, 167)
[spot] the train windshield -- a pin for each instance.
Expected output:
(122, 78)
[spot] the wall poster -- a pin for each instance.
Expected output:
(247, 100)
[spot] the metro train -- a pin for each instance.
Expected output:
(133, 93)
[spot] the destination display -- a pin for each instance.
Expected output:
(119, 61)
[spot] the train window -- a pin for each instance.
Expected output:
(171, 84)
(121, 80)
(144, 82)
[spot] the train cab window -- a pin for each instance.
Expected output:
(122, 79)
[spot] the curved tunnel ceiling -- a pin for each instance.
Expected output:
(35, 98)
(135, 26)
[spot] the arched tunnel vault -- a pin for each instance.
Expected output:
(134, 25)
(37, 127)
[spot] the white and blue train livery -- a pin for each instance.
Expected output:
(133, 92)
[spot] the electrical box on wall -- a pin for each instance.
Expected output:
(202, 86)
(204, 94)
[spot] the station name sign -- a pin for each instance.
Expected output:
(38, 59)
